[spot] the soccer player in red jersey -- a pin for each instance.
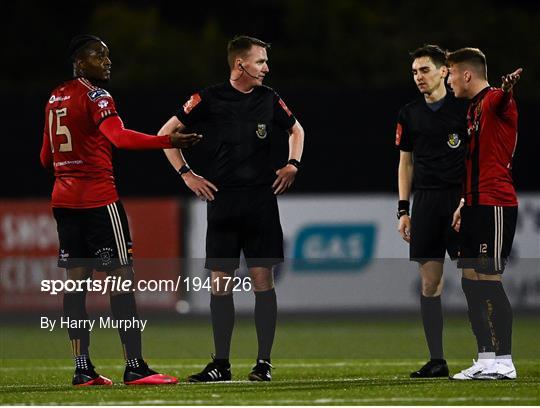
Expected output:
(486, 218)
(81, 126)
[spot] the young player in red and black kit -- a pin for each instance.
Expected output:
(486, 218)
(81, 126)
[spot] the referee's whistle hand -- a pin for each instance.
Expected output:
(404, 227)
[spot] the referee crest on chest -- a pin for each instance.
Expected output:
(261, 131)
(453, 140)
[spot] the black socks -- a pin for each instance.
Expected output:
(432, 319)
(499, 316)
(477, 310)
(265, 321)
(123, 307)
(75, 308)
(222, 311)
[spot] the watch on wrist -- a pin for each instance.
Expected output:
(295, 163)
(401, 213)
(184, 169)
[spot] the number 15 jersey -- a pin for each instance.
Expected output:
(72, 143)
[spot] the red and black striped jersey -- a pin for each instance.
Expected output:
(492, 129)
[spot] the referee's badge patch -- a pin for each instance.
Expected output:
(191, 103)
(453, 140)
(399, 131)
(261, 131)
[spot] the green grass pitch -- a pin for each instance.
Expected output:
(327, 361)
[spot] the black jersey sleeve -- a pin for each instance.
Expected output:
(282, 115)
(403, 138)
(192, 111)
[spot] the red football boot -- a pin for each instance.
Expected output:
(143, 375)
(82, 378)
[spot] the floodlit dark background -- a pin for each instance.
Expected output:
(342, 67)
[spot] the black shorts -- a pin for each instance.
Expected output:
(96, 238)
(432, 234)
(245, 221)
(486, 237)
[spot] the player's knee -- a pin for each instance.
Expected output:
(262, 282)
(469, 273)
(79, 273)
(120, 281)
(431, 287)
(222, 283)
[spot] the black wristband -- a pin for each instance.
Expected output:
(295, 163)
(404, 205)
(184, 169)
(403, 208)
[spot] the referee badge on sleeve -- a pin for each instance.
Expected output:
(399, 131)
(261, 131)
(453, 140)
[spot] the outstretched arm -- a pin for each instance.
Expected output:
(500, 99)
(113, 129)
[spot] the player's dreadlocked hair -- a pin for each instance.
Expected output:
(79, 43)
(434, 52)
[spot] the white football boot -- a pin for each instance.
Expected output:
(476, 369)
(499, 371)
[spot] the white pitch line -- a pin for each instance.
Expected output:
(311, 381)
(323, 401)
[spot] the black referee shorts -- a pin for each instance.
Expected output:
(245, 221)
(486, 237)
(96, 238)
(432, 234)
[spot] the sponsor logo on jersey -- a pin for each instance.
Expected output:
(55, 98)
(97, 93)
(103, 103)
(453, 140)
(191, 103)
(261, 131)
(399, 131)
(334, 248)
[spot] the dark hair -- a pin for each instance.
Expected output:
(471, 56)
(240, 45)
(79, 43)
(434, 52)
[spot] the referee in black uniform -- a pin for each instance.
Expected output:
(240, 116)
(430, 135)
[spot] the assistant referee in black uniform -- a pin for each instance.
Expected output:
(240, 116)
(430, 135)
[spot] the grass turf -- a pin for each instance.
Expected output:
(323, 361)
